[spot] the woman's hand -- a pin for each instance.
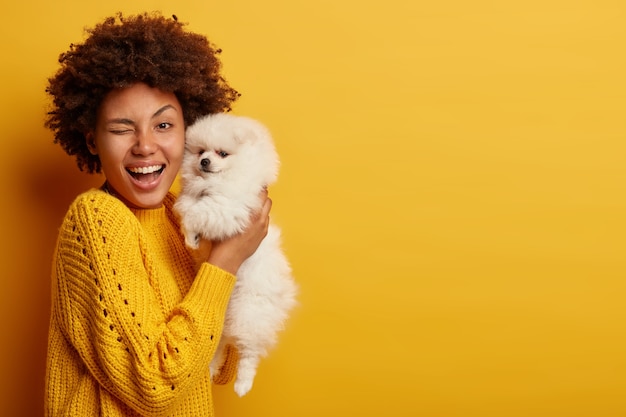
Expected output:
(230, 253)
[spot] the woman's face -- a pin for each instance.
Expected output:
(140, 140)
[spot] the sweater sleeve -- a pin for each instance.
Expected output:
(228, 370)
(141, 352)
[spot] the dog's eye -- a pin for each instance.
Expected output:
(200, 151)
(222, 154)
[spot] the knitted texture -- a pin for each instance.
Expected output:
(134, 323)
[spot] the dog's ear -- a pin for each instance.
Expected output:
(91, 143)
(244, 134)
(247, 130)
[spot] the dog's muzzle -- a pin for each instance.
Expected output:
(204, 164)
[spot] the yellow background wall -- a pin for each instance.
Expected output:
(452, 197)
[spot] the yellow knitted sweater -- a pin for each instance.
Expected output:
(134, 323)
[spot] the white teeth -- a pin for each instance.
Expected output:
(145, 170)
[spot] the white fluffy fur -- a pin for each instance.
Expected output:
(215, 202)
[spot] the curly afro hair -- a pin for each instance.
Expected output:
(121, 51)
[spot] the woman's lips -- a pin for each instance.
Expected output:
(146, 174)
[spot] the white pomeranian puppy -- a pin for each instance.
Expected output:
(228, 161)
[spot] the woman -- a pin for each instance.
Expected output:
(135, 322)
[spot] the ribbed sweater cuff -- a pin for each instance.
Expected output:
(210, 290)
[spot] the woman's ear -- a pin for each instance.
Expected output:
(91, 143)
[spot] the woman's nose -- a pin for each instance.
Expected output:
(145, 143)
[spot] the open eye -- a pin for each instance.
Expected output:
(222, 154)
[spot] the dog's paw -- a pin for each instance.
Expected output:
(192, 241)
(242, 387)
(214, 371)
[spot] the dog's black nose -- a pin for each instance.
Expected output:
(204, 164)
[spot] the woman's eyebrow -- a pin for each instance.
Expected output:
(120, 120)
(162, 109)
(125, 121)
